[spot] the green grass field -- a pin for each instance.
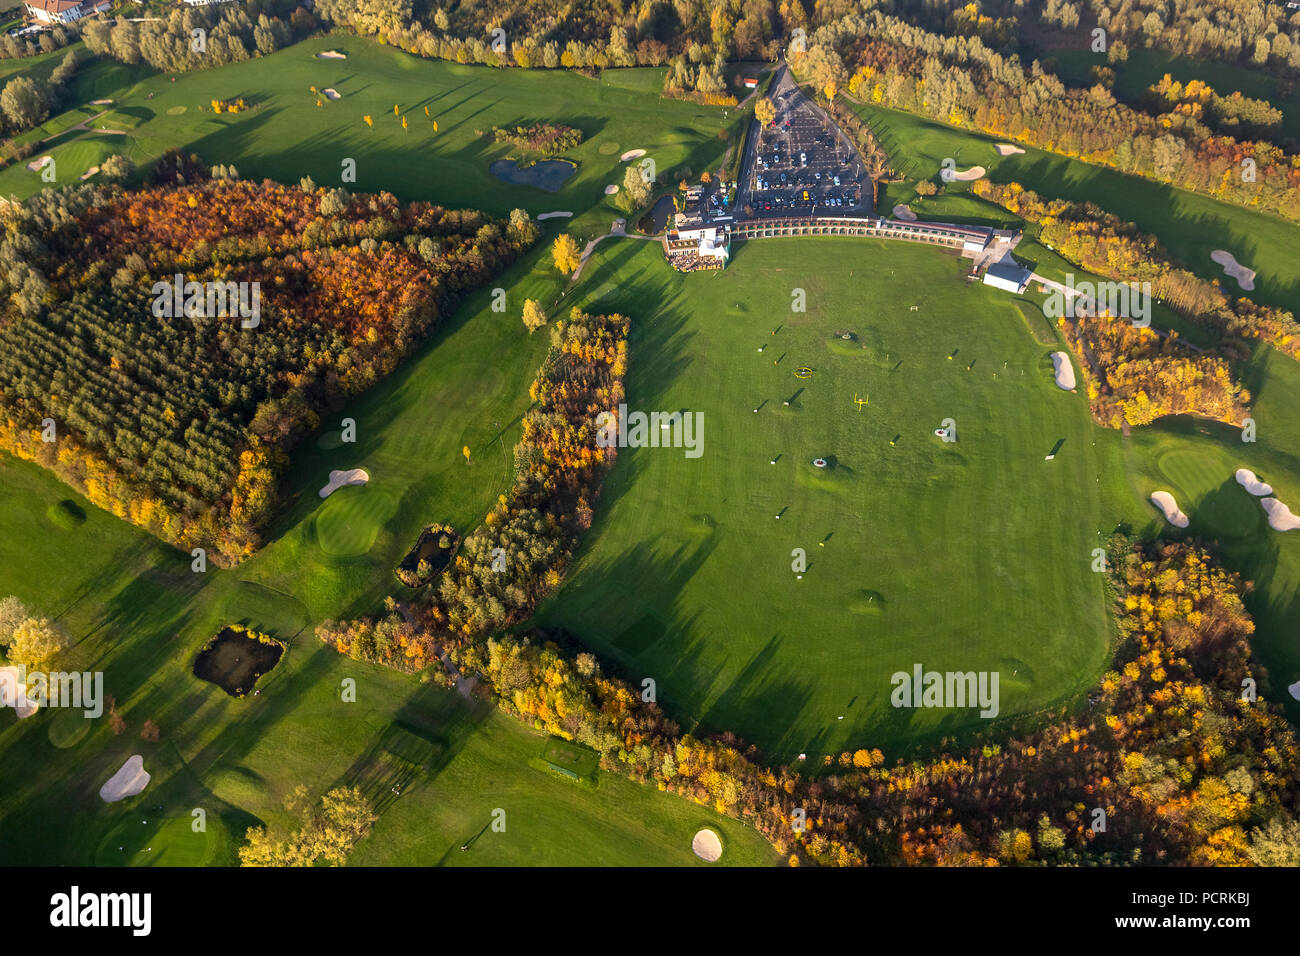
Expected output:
(287, 136)
(969, 555)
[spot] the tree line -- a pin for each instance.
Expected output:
(960, 81)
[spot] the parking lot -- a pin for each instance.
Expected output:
(802, 164)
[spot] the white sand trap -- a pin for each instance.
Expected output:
(1294, 690)
(1166, 503)
(341, 479)
(1064, 371)
(100, 102)
(332, 93)
(632, 154)
(707, 846)
(38, 164)
(1245, 277)
(1008, 149)
(965, 176)
(1280, 517)
(90, 172)
(127, 782)
(13, 695)
(903, 213)
(1250, 481)
(331, 55)
(610, 190)
(558, 214)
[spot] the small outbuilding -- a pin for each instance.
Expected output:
(1007, 276)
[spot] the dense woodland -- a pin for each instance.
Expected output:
(1137, 375)
(182, 425)
(1106, 245)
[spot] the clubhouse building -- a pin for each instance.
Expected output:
(51, 12)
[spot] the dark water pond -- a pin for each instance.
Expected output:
(549, 174)
(234, 661)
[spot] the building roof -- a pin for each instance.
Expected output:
(54, 6)
(1008, 272)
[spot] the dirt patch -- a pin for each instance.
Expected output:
(965, 176)
(1064, 371)
(340, 479)
(1169, 507)
(903, 213)
(127, 782)
(1250, 481)
(1244, 275)
(1280, 517)
(707, 846)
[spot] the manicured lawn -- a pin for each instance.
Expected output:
(287, 136)
(972, 555)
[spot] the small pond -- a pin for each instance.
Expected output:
(235, 659)
(549, 174)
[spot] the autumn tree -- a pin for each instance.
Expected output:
(534, 315)
(764, 111)
(566, 253)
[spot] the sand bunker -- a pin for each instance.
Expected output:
(965, 176)
(100, 102)
(903, 213)
(558, 214)
(37, 164)
(341, 479)
(1250, 481)
(1280, 517)
(1245, 277)
(332, 93)
(1007, 149)
(13, 695)
(610, 190)
(90, 172)
(632, 154)
(1294, 690)
(1166, 503)
(331, 55)
(707, 846)
(1064, 371)
(127, 782)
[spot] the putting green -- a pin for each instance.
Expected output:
(162, 841)
(68, 727)
(350, 519)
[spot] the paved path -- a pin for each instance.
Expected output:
(616, 231)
